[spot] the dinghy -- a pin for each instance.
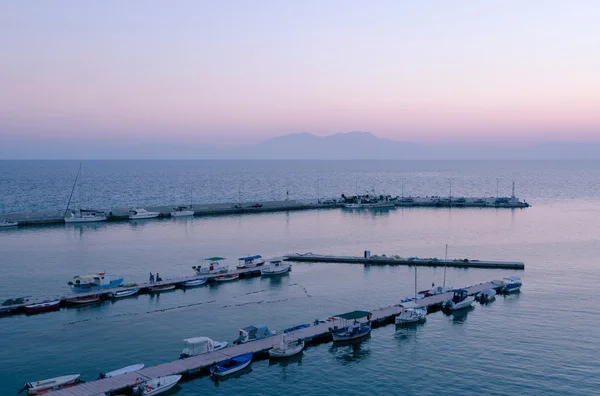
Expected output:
(125, 293)
(156, 386)
(50, 384)
(195, 282)
(84, 300)
(286, 348)
(161, 288)
(46, 306)
(232, 365)
(227, 278)
(121, 371)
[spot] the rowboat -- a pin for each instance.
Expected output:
(121, 371)
(125, 293)
(232, 365)
(195, 282)
(84, 300)
(276, 267)
(50, 384)
(156, 385)
(226, 278)
(45, 306)
(286, 348)
(161, 288)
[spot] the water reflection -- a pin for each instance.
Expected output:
(238, 374)
(284, 362)
(459, 317)
(347, 352)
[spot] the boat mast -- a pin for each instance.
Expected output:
(445, 266)
(72, 190)
(415, 284)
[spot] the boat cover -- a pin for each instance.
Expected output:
(354, 315)
(215, 258)
(250, 258)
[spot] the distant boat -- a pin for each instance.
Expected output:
(82, 215)
(199, 345)
(212, 265)
(141, 213)
(46, 306)
(7, 223)
(121, 371)
(125, 293)
(182, 211)
(84, 300)
(286, 348)
(232, 365)
(276, 267)
(195, 282)
(250, 261)
(161, 288)
(227, 277)
(92, 282)
(50, 384)
(157, 385)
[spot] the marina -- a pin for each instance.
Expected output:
(202, 364)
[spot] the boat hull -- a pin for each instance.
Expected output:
(43, 307)
(195, 282)
(93, 219)
(227, 278)
(84, 300)
(9, 223)
(182, 213)
(345, 336)
(144, 216)
(50, 384)
(159, 289)
(124, 370)
(467, 303)
(232, 365)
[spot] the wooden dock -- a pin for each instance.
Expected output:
(199, 364)
(394, 260)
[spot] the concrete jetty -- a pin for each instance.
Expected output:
(199, 365)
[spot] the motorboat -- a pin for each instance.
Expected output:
(8, 223)
(125, 293)
(199, 345)
(141, 213)
(156, 386)
(92, 282)
(121, 371)
(411, 314)
(286, 348)
(212, 265)
(46, 306)
(369, 201)
(250, 261)
(299, 327)
(195, 282)
(161, 288)
(276, 267)
(182, 211)
(85, 300)
(486, 295)
(50, 384)
(232, 365)
(460, 300)
(226, 277)
(354, 331)
(437, 290)
(253, 333)
(511, 284)
(85, 216)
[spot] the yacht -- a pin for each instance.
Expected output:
(182, 211)
(85, 216)
(140, 213)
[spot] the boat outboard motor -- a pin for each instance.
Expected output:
(101, 376)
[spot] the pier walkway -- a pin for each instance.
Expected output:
(201, 363)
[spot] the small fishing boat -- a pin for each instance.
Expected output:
(253, 333)
(212, 265)
(227, 277)
(460, 300)
(141, 213)
(486, 295)
(182, 211)
(121, 371)
(85, 216)
(250, 261)
(125, 293)
(84, 300)
(299, 327)
(195, 282)
(161, 288)
(156, 386)
(200, 345)
(232, 365)
(50, 384)
(511, 284)
(92, 282)
(8, 223)
(356, 329)
(286, 348)
(46, 306)
(276, 267)
(412, 315)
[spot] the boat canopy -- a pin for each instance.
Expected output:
(258, 331)
(512, 278)
(198, 340)
(249, 258)
(354, 315)
(90, 276)
(215, 258)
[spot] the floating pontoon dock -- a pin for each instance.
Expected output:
(198, 365)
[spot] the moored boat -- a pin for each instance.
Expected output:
(232, 365)
(141, 213)
(195, 282)
(182, 211)
(125, 293)
(199, 345)
(411, 315)
(161, 288)
(226, 277)
(46, 306)
(276, 267)
(8, 223)
(460, 300)
(299, 327)
(250, 261)
(121, 371)
(84, 300)
(486, 295)
(253, 333)
(50, 384)
(92, 282)
(286, 348)
(511, 284)
(156, 386)
(85, 216)
(212, 265)
(354, 331)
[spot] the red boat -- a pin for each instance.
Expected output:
(46, 306)
(84, 300)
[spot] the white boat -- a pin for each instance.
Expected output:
(370, 205)
(486, 295)
(50, 384)
(460, 300)
(125, 293)
(182, 211)
(354, 331)
(82, 215)
(412, 315)
(141, 213)
(250, 261)
(156, 386)
(92, 282)
(276, 267)
(199, 345)
(121, 371)
(7, 223)
(511, 284)
(253, 333)
(286, 348)
(212, 265)
(195, 282)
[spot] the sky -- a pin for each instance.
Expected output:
(226, 72)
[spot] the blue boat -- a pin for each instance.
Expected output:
(232, 365)
(93, 282)
(356, 330)
(511, 284)
(299, 327)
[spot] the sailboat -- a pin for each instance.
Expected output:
(412, 312)
(183, 211)
(82, 215)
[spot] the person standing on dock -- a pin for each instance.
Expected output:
(158, 278)
(152, 277)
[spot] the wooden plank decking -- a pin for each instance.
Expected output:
(195, 363)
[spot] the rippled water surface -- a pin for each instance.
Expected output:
(542, 341)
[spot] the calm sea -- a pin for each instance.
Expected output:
(542, 341)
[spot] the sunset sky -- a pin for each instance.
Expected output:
(231, 72)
